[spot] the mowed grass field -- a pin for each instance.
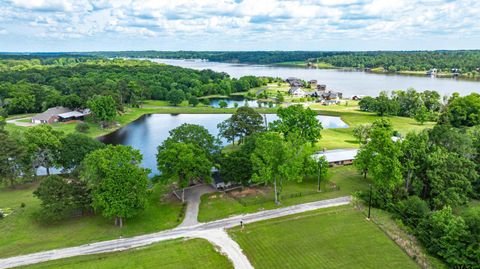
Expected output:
(21, 232)
(175, 254)
(329, 238)
(218, 205)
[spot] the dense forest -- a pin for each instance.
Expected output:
(33, 85)
(465, 60)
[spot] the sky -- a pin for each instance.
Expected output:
(88, 25)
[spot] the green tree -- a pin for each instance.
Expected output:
(60, 197)
(118, 183)
(445, 235)
(230, 170)
(463, 111)
(175, 97)
(193, 101)
(279, 98)
(222, 104)
(421, 114)
(103, 109)
(296, 120)
(13, 159)
(227, 129)
(74, 148)
(449, 179)
(317, 167)
(184, 161)
(275, 161)
(244, 122)
(362, 132)
(43, 144)
(196, 135)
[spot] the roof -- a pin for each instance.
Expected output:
(337, 155)
(49, 113)
(71, 114)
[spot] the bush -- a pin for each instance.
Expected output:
(22, 205)
(412, 210)
(1, 214)
(82, 127)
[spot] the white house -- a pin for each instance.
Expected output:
(297, 92)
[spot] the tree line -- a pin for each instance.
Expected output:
(443, 60)
(423, 179)
(72, 82)
(426, 106)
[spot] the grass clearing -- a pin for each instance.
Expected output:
(328, 238)
(172, 254)
(218, 205)
(21, 233)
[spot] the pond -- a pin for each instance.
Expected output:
(149, 131)
(231, 101)
(348, 82)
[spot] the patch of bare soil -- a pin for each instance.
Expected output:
(248, 191)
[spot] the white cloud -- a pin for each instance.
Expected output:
(312, 20)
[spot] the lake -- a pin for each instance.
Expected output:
(149, 131)
(348, 82)
(240, 101)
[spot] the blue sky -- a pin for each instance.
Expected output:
(87, 25)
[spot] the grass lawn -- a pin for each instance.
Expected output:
(21, 233)
(328, 238)
(180, 253)
(217, 205)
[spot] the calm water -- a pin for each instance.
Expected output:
(239, 101)
(348, 82)
(149, 131)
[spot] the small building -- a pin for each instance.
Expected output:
(297, 92)
(432, 72)
(73, 115)
(322, 88)
(312, 83)
(455, 71)
(338, 157)
(50, 116)
(294, 82)
(357, 97)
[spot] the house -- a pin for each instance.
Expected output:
(322, 88)
(338, 157)
(297, 91)
(294, 82)
(432, 72)
(312, 83)
(455, 71)
(330, 96)
(59, 113)
(50, 115)
(357, 97)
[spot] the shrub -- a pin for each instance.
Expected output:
(412, 210)
(22, 205)
(1, 214)
(82, 127)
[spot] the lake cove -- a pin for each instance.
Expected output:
(348, 82)
(149, 131)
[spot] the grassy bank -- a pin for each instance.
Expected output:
(22, 233)
(218, 205)
(193, 253)
(329, 238)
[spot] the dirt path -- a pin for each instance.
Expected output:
(208, 230)
(20, 123)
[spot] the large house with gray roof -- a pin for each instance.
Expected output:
(59, 113)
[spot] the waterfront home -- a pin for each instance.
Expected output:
(297, 91)
(313, 83)
(455, 71)
(321, 87)
(294, 82)
(432, 72)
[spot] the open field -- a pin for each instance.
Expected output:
(180, 253)
(329, 238)
(218, 205)
(21, 233)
